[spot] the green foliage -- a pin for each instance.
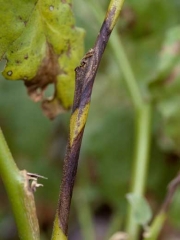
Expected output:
(42, 47)
(165, 88)
(141, 210)
(107, 150)
(14, 15)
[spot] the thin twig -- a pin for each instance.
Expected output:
(158, 222)
(170, 194)
(85, 75)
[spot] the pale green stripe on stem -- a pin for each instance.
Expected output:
(57, 231)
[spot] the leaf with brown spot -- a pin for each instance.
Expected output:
(44, 49)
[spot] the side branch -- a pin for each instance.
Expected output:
(172, 187)
(85, 75)
(159, 220)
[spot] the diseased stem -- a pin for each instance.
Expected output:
(141, 159)
(85, 75)
(57, 233)
(19, 194)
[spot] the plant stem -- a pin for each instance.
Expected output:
(156, 226)
(158, 222)
(85, 76)
(19, 194)
(124, 65)
(143, 119)
(138, 180)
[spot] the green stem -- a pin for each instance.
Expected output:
(124, 65)
(121, 58)
(138, 180)
(143, 119)
(156, 226)
(20, 197)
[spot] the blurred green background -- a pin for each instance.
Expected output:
(149, 31)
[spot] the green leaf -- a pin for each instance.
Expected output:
(141, 210)
(13, 15)
(168, 66)
(44, 48)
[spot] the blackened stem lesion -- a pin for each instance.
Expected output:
(85, 75)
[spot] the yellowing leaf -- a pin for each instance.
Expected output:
(43, 48)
